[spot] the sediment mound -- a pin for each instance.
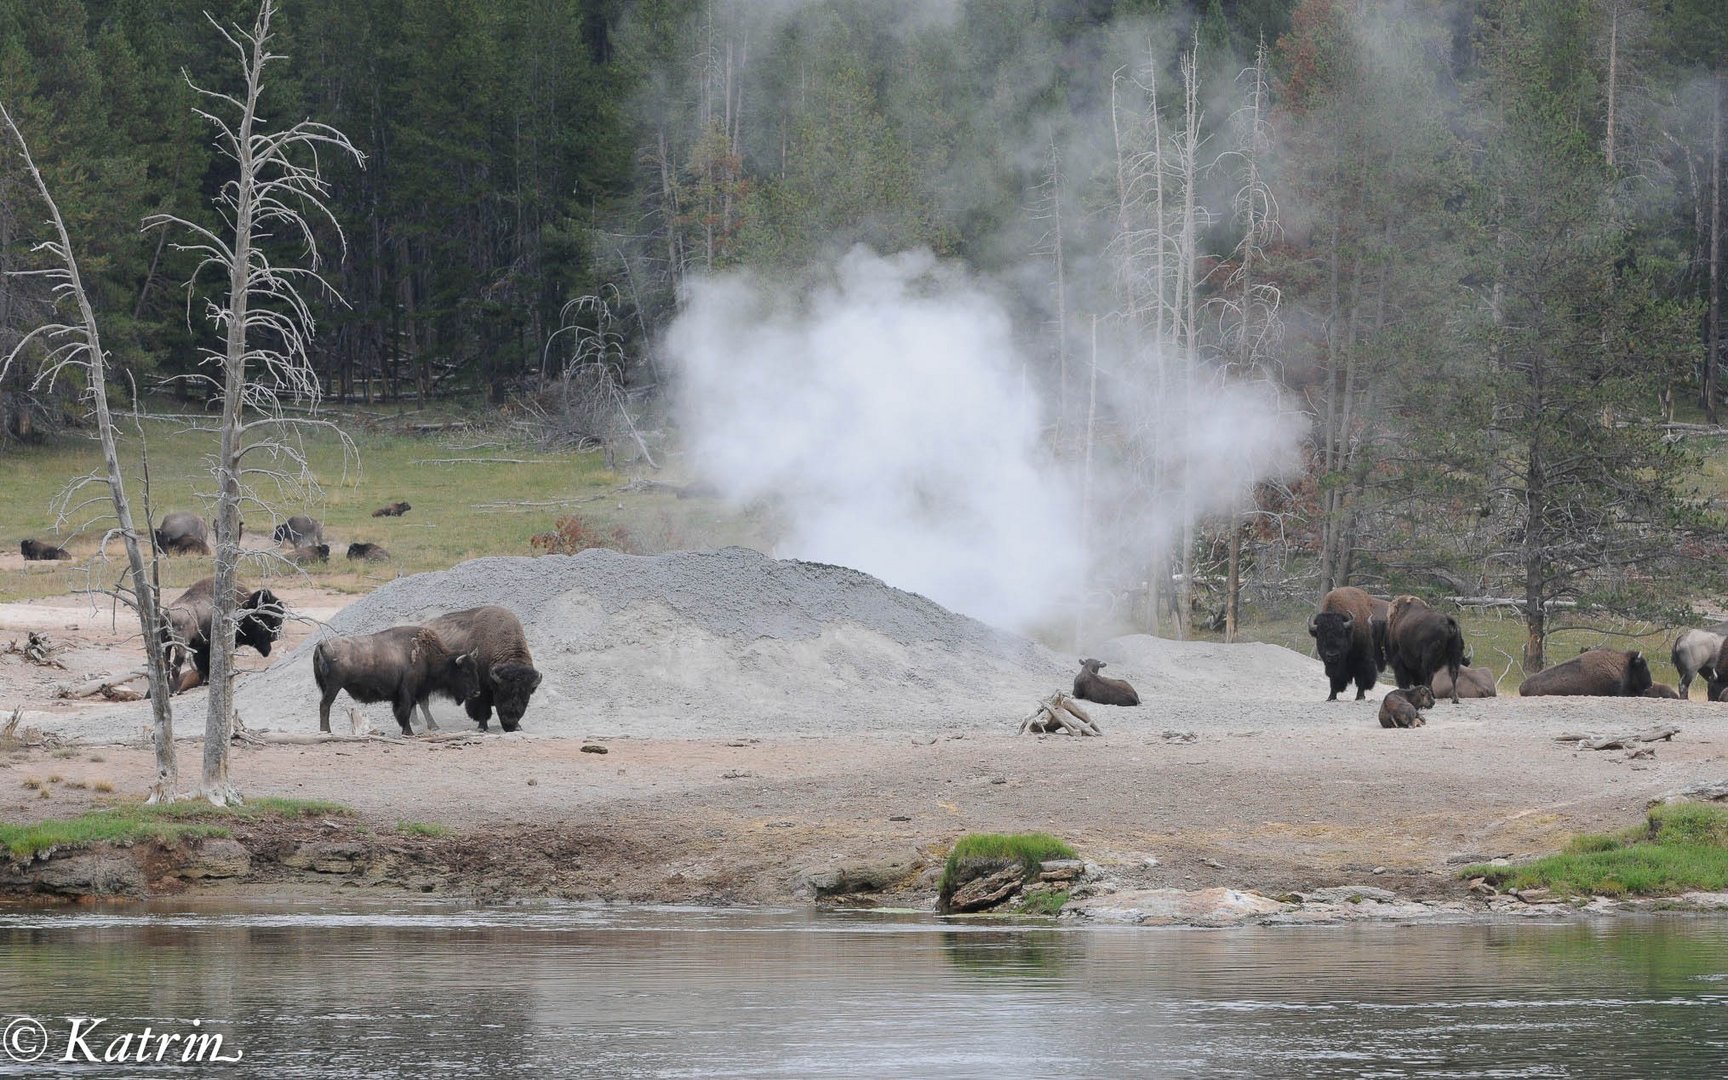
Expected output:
(1210, 670)
(700, 644)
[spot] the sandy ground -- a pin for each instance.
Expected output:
(1278, 789)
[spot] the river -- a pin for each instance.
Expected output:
(356, 990)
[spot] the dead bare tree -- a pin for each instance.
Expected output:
(79, 344)
(266, 323)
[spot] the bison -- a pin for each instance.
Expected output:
(1662, 690)
(1403, 708)
(1473, 682)
(299, 531)
(1420, 641)
(41, 551)
(404, 665)
(503, 667)
(309, 553)
(367, 552)
(1349, 635)
(258, 623)
(183, 533)
(1694, 654)
(393, 510)
(1091, 686)
(1592, 673)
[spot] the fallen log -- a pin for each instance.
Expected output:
(1058, 712)
(1620, 742)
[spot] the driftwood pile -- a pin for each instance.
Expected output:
(37, 649)
(1665, 733)
(1060, 712)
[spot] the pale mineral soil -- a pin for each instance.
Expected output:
(1282, 796)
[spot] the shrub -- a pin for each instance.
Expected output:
(570, 534)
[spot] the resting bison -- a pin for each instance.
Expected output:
(1592, 673)
(368, 552)
(1403, 708)
(404, 665)
(503, 667)
(1662, 690)
(299, 531)
(41, 551)
(393, 510)
(183, 533)
(258, 623)
(1420, 641)
(1473, 682)
(1349, 635)
(310, 553)
(1091, 686)
(1694, 654)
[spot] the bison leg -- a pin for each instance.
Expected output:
(1366, 677)
(480, 709)
(330, 693)
(426, 714)
(1339, 683)
(403, 707)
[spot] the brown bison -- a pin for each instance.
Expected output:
(1473, 682)
(1349, 635)
(183, 533)
(1420, 641)
(41, 551)
(309, 553)
(1592, 673)
(404, 665)
(187, 634)
(1403, 708)
(299, 531)
(393, 510)
(503, 667)
(1091, 686)
(1662, 690)
(367, 552)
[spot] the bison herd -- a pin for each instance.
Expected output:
(1358, 636)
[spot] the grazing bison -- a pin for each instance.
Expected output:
(299, 530)
(1091, 686)
(393, 510)
(1349, 635)
(503, 667)
(1662, 690)
(1592, 673)
(404, 665)
(1403, 708)
(41, 551)
(258, 623)
(183, 533)
(1695, 652)
(310, 553)
(1420, 641)
(1473, 682)
(368, 552)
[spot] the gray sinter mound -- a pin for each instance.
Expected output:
(694, 644)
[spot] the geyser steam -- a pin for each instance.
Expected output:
(888, 414)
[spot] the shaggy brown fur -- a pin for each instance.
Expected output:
(503, 666)
(404, 665)
(1593, 673)
(188, 634)
(1473, 682)
(393, 510)
(368, 552)
(1662, 690)
(1091, 686)
(1348, 635)
(1421, 641)
(41, 551)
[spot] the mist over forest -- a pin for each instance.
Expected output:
(1171, 308)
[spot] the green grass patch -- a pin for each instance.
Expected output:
(1043, 901)
(423, 828)
(136, 822)
(1029, 849)
(1680, 848)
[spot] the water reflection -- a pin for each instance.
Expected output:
(432, 991)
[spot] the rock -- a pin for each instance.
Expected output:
(218, 857)
(96, 873)
(1349, 894)
(1480, 887)
(593, 748)
(1163, 907)
(1377, 871)
(1061, 869)
(986, 892)
(1533, 896)
(865, 877)
(336, 858)
(1703, 791)
(1213, 863)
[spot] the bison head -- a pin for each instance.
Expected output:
(512, 685)
(1092, 667)
(1637, 674)
(1332, 632)
(1422, 697)
(260, 621)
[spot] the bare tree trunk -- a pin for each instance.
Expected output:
(1713, 348)
(1613, 78)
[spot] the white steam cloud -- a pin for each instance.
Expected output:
(888, 414)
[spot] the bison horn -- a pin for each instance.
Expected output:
(1349, 622)
(1314, 626)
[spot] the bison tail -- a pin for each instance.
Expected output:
(321, 667)
(1454, 653)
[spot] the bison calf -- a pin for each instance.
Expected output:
(504, 671)
(393, 510)
(1091, 686)
(41, 551)
(367, 552)
(1403, 708)
(1593, 673)
(1662, 690)
(404, 665)
(310, 553)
